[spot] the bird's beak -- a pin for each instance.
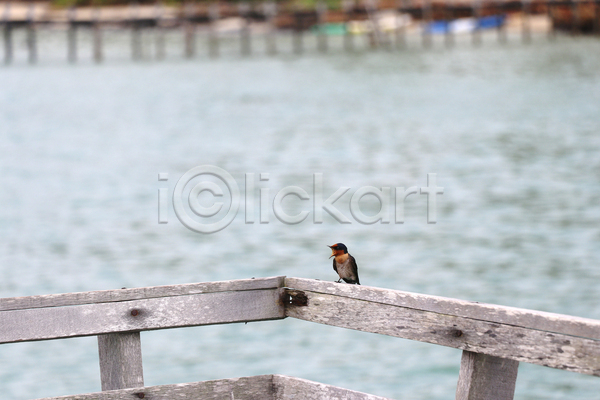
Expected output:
(332, 251)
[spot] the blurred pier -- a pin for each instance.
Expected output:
(386, 24)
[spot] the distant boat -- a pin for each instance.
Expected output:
(462, 25)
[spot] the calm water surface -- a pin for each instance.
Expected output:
(511, 131)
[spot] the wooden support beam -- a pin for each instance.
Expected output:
(492, 330)
(289, 388)
(170, 310)
(120, 360)
(486, 378)
(519, 317)
(263, 387)
(152, 292)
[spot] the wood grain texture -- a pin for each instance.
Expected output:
(110, 296)
(153, 313)
(120, 360)
(250, 388)
(539, 320)
(288, 388)
(484, 377)
(501, 340)
(262, 387)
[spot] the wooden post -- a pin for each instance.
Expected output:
(484, 377)
(120, 360)
(159, 30)
(213, 39)
(97, 36)
(321, 9)
(7, 33)
(348, 6)
(244, 11)
(270, 10)
(72, 36)
(31, 37)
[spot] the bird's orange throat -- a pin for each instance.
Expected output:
(341, 258)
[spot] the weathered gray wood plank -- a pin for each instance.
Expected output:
(484, 377)
(544, 321)
(501, 340)
(109, 296)
(250, 388)
(262, 387)
(288, 388)
(120, 360)
(140, 315)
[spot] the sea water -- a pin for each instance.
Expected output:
(510, 130)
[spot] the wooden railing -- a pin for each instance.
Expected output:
(494, 339)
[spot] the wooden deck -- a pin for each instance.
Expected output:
(494, 339)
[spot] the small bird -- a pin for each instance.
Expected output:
(344, 264)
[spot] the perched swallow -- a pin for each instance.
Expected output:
(344, 264)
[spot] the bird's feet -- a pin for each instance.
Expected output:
(339, 281)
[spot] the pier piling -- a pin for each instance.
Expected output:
(348, 7)
(189, 30)
(213, 39)
(321, 10)
(97, 35)
(72, 35)
(159, 31)
(31, 38)
(7, 35)
(270, 11)
(245, 41)
(427, 12)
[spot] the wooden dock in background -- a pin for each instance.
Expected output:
(384, 22)
(494, 339)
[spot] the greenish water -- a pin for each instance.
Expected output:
(511, 131)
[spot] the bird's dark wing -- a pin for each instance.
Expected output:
(354, 268)
(334, 265)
